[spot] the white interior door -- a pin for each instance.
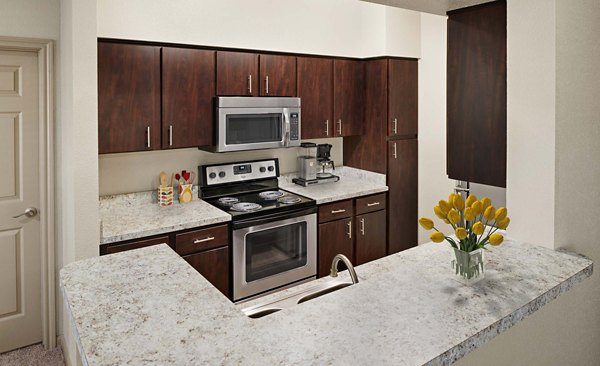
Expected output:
(20, 241)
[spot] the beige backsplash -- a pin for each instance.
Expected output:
(136, 172)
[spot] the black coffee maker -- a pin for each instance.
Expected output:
(324, 160)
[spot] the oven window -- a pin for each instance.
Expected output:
(274, 251)
(253, 128)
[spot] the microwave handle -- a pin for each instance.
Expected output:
(286, 121)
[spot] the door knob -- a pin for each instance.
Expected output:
(29, 212)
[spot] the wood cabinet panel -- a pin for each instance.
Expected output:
(372, 203)
(476, 94)
(315, 88)
(128, 98)
(202, 239)
(214, 266)
(237, 73)
(370, 237)
(403, 89)
(335, 237)
(349, 97)
(278, 76)
(188, 89)
(402, 206)
(133, 244)
(335, 211)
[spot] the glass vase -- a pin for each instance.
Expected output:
(469, 267)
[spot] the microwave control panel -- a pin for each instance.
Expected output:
(294, 127)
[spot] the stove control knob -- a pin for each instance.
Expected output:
(263, 169)
(212, 175)
(221, 174)
(271, 168)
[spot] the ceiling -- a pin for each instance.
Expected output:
(439, 7)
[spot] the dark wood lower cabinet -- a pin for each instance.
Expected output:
(335, 237)
(133, 244)
(370, 237)
(214, 266)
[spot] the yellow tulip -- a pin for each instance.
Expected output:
(439, 213)
(426, 223)
(477, 208)
(489, 213)
(501, 214)
(444, 206)
(485, 202)
(461, 233)
(469, 215)
(503, 224)
(451, 198)
(437, 237)
(453, 216)
(458, 202)
(496, 239)
(471, 199)
(478, 228)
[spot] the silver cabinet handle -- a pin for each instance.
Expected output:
(148, 137)
(350, 229)
(209, 238)
(29, 212)
(340, 126)
(395, 151)
(395, 126)
(337, 211)
(362, 227)
(267, 84)
(287, 127)
(250, 84)
(171, 135)
(326, 127)
(372, 204)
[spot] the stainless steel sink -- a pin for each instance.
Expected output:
(325, 291)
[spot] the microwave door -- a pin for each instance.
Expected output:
(250, 129)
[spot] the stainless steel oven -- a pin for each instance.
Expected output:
(250, 123)
(273, 251)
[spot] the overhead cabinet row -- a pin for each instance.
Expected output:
(152, 97)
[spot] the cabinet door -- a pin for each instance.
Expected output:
(278, 76)
(214, 266)
(237, 73)
(370, 236)
(335, 237)
(403, 97)
(187, 96)
(315, 88)
(402, 206)
(133, 244)
(128, 97)
(349, 97)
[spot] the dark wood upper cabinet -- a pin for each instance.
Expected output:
(476, 94)
(335, 237)
(237, 73)
(188, 77)
(403, 95)
(128, 98)
(278, 76)
(370, 237)
(315, 88)
(402, 205)
(349, 97)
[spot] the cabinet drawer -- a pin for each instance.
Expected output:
(121, 247)
(203, 239)
(371, 203)
(335, 211)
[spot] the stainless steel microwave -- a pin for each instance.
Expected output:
(251, 123)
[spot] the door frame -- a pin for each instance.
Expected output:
(45, 52)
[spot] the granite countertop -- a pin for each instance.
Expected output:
(353, 183)
(148, 306)
(136, 215)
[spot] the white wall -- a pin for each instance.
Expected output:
(31, 18)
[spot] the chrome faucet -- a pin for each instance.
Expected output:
(343, 258)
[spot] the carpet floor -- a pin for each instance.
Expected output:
(35, 355)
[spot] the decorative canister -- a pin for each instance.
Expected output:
(165, 196)
(185, 193)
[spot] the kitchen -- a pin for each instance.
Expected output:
(137, 172)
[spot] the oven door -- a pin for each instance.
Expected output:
(252, 128)
(274, 253)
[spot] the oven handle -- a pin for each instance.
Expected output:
(272, 218)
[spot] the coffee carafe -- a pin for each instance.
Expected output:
(324, 160)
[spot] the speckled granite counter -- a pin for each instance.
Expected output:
(148, 306)
(353, 183)
(136, 215)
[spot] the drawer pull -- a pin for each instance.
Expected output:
(338, 211)
(209, 238)
(373, 204)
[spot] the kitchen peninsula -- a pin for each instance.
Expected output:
(148, 306)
